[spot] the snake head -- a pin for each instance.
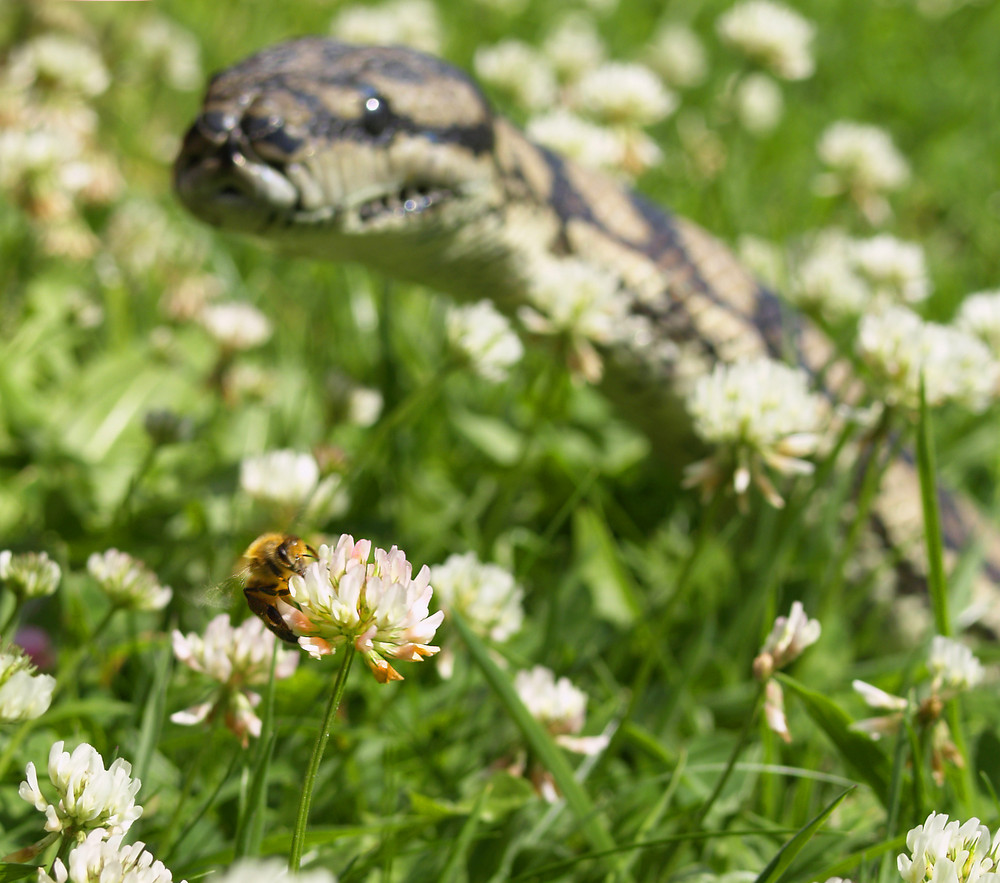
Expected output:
(329, 146)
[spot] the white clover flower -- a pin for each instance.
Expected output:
(862, 156)
(953, 665)
(980, 315)
(759, 103)
(57, 61)
(104, 858)
(364, 406)
(367, 597)
(760, 412)
(575, 299)
(827, 279)
(574, 46)
(624, 93)
(896, 269)
(414, 23)
(774, 710)
(559, 707)
(88, 795)
(485, 594)
(127, 581)
(270, 870)
(518, 69)
(235, 325)
(284, 477)
(236, 657)
(29, 574)
(956, 367)
(883, 725)
(770, 34)
(172, 49)
(24, 694)
(946, 851)
(789, 636)
(678, 56)
(588, 143)
(484, 337)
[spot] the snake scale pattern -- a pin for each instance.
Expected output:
(394, 159)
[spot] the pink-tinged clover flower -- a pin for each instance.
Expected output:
(356, 595)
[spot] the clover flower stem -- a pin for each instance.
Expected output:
(309, 782)
(11, 618)
(936, 582)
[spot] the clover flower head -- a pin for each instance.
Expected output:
(624, 93)
(519, 70)
(58, 61)
(949, 851)
(760, 413)
(282, 477)
(953, 665)
(235, 657)
(173, 50)
(570, 135)
(574, 46)
(900, 347)
(29, 574)
(979, 315)
(485, 338)
(896, 269)
(88, 795)
(485, 594)
(414, 23)
(559, 707)
(127, 581)
(826, 278)
(759, 103)
(24, 694)
(789, 636)
(366, 597)
(771, 34)
(103, 858)
(862, 156)
(270, 870)
(235, 325)
(678, 56)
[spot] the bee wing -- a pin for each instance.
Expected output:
(221, 595)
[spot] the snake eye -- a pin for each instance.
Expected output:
(376, 115)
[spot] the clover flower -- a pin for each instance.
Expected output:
(770, 34)
(29, 574)
(235, 325)
(574, 46)
(863, 163)
(24, 694)
(283, 477)
(354, 594)
(484, 337)
(826, 278)
(270, 870)
(104, 858)
(127, 581)
(584, 303)
(519, 70)
(980, 315)
(485, 594)
(172, 50)
(953, 665)
(760, 413)
(896, 269)
(88, 795)
(59, 62)
(624, 93)
(559, 707)
(678, 56)
(414, 23)
(570, 135)
(235, 657)
(900, 347)
(949, 851)
(789, 636)
(759, 103)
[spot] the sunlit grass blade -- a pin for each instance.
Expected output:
(153, 712)
(540, 742)
(936, 582)
(786, 855)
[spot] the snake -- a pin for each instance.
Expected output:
(395, 159)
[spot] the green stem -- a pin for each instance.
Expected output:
(12, 616)
(309, 783)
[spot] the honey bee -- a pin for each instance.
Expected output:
(270, 561)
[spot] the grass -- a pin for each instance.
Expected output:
(652, 604)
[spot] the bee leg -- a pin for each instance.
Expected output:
(270, 616)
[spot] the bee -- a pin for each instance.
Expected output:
(270, 562)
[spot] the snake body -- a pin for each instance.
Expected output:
(394, 159)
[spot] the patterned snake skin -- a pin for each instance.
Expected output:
(394, 159)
